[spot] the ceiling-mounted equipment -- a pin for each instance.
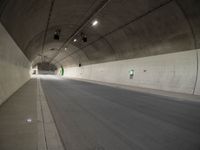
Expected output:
(53, 49)
(75, 40)
(57, 34)
(101, 5)
(84, 37)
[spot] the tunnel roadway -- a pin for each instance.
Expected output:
(97, 117)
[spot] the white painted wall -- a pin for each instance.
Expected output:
(14, 66)
(197, 90)
(171, 72)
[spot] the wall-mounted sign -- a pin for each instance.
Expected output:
(61, 71)
(131, 74)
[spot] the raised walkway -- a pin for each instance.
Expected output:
(26, 122)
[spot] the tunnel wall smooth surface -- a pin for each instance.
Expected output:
(197, 90)
(175, 72)
(14, 66)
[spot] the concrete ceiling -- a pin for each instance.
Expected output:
(126, 29)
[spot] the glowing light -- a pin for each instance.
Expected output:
(95, 23)
(29, 120)
(75, 40)
(49, 77)
(65, 49)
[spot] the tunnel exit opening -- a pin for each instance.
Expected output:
(45, 68)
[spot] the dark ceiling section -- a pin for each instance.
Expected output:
(126, 29)
(45, 66)
(25, 19)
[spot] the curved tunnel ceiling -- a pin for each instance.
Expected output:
(126, 29)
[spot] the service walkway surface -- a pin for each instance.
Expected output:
(96, 117)
(18, 119)
(26, 122)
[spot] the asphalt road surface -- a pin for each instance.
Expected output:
(96, 117)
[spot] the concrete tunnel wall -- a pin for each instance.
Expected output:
(13, 64)
(175, 72)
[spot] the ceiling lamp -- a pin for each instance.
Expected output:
(29, 120)
(95, 23)
(75, 40)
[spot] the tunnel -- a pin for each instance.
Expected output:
(99, 75)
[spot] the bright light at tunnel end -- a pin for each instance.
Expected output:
(48, 77)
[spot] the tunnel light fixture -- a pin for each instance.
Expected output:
(28, 120)
(65, 48)
(75, 40)
(95, 23)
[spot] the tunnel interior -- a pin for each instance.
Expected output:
(99, 74)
